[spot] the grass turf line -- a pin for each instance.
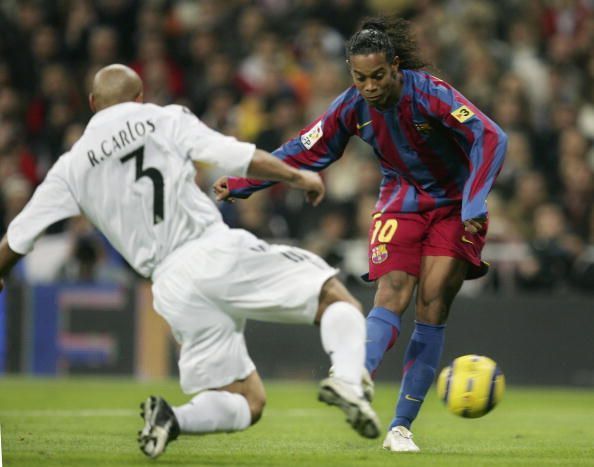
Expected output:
(92, 422)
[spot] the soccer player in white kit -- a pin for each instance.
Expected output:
(132, 174)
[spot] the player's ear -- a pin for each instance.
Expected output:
(92, 102)
(395, 65)
(140, 98)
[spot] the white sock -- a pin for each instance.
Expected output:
(212, 411)
(343, 332)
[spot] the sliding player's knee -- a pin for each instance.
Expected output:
(252, 389)
(256, 403)
(334, 291)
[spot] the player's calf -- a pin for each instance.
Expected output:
(253, 390)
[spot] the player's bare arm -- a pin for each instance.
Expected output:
(8, 259)
(264, 166)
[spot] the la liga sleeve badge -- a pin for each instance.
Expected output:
(311, 137)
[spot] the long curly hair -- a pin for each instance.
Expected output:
(390, 35)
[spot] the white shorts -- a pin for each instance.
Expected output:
(207, 289)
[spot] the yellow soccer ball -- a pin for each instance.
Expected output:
(471, 386)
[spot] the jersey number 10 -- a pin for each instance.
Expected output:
(156, 178)
(384, 230)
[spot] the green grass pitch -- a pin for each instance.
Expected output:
(92, 422)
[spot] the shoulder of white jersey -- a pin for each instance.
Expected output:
(63, 163)
(66, 156)
(177, 109)
(150, 107)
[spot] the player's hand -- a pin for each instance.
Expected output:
(221, 189)
(473, 226)
(312, 184)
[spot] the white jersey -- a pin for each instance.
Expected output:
(131, 174)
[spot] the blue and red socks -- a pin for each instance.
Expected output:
(383, 328)
(420, 365)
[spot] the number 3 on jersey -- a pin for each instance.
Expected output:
(156, 178)
(384, 230)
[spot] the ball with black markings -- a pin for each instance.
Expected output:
(471, 386)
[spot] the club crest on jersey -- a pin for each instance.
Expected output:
(462, 114)
(379, 254)
(312, 136)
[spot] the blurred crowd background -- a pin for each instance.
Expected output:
(261, 70)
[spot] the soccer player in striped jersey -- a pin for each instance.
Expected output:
(439, 157)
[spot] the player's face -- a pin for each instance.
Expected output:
(375, 78)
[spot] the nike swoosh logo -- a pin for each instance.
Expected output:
(363, 124)
(465, 240)
(409, 398)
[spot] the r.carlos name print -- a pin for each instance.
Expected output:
(120, 140)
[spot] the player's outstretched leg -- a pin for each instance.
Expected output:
(342, 329)
(420, 364)
(214, 411)
(231, 408)
(160, 426)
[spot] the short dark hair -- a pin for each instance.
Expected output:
(390, 35)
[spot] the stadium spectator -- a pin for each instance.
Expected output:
(554, 250)
(282, 120)
(103, 47)
(45, 46)
(221, 112)
(218, 75)
(439, 157)
(316, 43)
(517, 162)
(251, 22)
(80, 19)
(207, 278)
(152, 52)
(54, 88)
(334, 225)
(16, 158)
(16, 191)
(327, 80)
(578, 195)
(90, 257)
(530, 192)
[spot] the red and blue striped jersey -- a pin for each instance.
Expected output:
(434, 146)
